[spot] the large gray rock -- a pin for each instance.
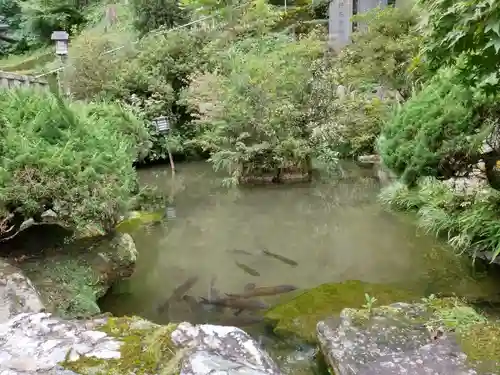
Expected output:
(17, 294)
(38, 343)
(221, 350)
(43, 344)
(391, 341)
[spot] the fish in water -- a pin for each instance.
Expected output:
(178, 293)
(213, 293)
(247, 269)
(237, 303)
(263, 291)
(280, 257)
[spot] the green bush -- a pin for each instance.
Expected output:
(78, 158)
(253, 114)
(437, 132)
(152, 14)
(384, 52)
(355, 92)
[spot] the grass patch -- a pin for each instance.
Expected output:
(469, 222)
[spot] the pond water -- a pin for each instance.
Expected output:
(333, 230)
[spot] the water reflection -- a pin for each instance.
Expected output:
(334, 230)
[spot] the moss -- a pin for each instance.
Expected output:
(146, 349)
(300, 315)
(71, 279)
(478, 337)
(67, 286)
(137, 219)
(481, 343)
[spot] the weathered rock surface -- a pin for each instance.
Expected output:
(70, 278)
(17, 294)
(221, 350)
(39, 343)
(391, 340)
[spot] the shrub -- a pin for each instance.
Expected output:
(152, 14)
(92, 73)
(384, 52)
(77, 158)
(152, 80)
(470, 222)
(437, 132)
(349, 119)
(253, 117)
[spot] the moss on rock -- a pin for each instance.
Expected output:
(72, 278)
(146, 349)
(137, 219)
(478, 336)
(300, 315)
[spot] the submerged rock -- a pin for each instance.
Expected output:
(220, 349)
(71, 278)
(137, 219)
(17, 293)
(298, 316)
(398, 339)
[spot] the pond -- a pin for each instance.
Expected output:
(331, 230)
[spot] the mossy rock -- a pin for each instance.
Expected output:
(478, 336)
(71, 278)
(137, 219)
(147, 349)
(300, 315)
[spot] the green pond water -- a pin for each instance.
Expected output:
(334, 229)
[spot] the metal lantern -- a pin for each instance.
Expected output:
(162, 124)
(61, 38)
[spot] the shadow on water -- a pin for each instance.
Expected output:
(331, 230)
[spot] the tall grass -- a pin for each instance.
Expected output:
(470, 223)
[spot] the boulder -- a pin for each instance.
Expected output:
(43, 344)
(17, 294)
(400, 339)
(71, 278)
(221, 349)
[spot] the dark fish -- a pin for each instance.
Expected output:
(194, 305)
(263, 291)
(235, 303)
(249, 286)
(213, 293)
(247, 269)
(239, 251)
(240, 321)
(178, 293)
(280, 257)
